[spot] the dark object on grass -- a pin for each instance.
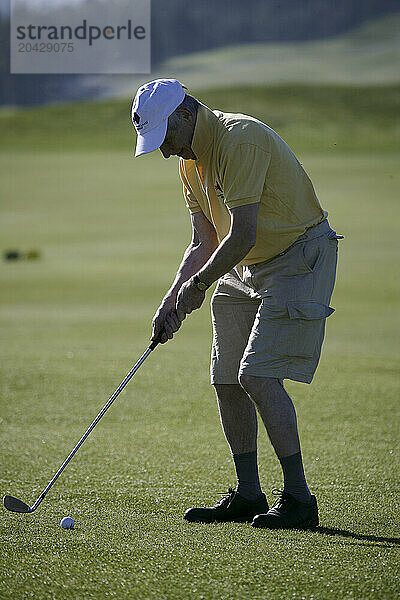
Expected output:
(21, 255)
(12, 255)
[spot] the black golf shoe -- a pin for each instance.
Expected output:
(289, 513)
(232, 507)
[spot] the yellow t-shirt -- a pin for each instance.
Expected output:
(240, 160)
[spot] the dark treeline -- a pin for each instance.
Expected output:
(183, 26)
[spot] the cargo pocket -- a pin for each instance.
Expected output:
(308, 321)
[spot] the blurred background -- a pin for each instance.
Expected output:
(90, 240)
(264, 41)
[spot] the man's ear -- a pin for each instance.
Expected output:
(186, 114)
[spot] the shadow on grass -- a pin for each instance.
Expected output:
(333, 531)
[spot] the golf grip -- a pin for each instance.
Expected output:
(157, 341)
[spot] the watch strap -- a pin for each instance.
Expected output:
(200, 284)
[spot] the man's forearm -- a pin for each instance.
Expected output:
(228, 254)
(194, 258)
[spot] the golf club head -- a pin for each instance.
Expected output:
(15, 505)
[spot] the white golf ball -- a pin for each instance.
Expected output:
(67, 523)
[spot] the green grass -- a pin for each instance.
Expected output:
(112, 230)
(324, 118)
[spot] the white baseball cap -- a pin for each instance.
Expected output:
(153, 104)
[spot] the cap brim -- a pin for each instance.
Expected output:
(151, 140)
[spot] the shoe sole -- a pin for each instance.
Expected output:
(308, 524)
(238, 520)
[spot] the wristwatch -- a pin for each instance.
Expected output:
(199, 284)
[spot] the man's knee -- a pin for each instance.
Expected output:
(228, 391)
(254, 385)
(225, 386)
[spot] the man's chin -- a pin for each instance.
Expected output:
(186, 155)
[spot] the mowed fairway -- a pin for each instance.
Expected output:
(112, 231)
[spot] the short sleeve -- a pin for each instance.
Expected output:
(190, 199)
(243, 174)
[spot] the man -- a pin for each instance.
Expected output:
(259, 230)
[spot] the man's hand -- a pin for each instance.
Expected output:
(166, 320)
(189, 299)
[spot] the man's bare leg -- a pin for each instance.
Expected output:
(239, 422)
(279, 417)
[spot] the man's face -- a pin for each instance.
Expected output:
(178, 139)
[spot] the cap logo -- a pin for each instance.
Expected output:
(136, 120)
(140, 127)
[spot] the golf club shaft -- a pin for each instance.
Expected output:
(96, 420)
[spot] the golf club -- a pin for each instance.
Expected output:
(15, 505)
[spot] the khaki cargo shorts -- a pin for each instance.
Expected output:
(271, 323)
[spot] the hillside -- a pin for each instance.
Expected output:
(367, 55)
